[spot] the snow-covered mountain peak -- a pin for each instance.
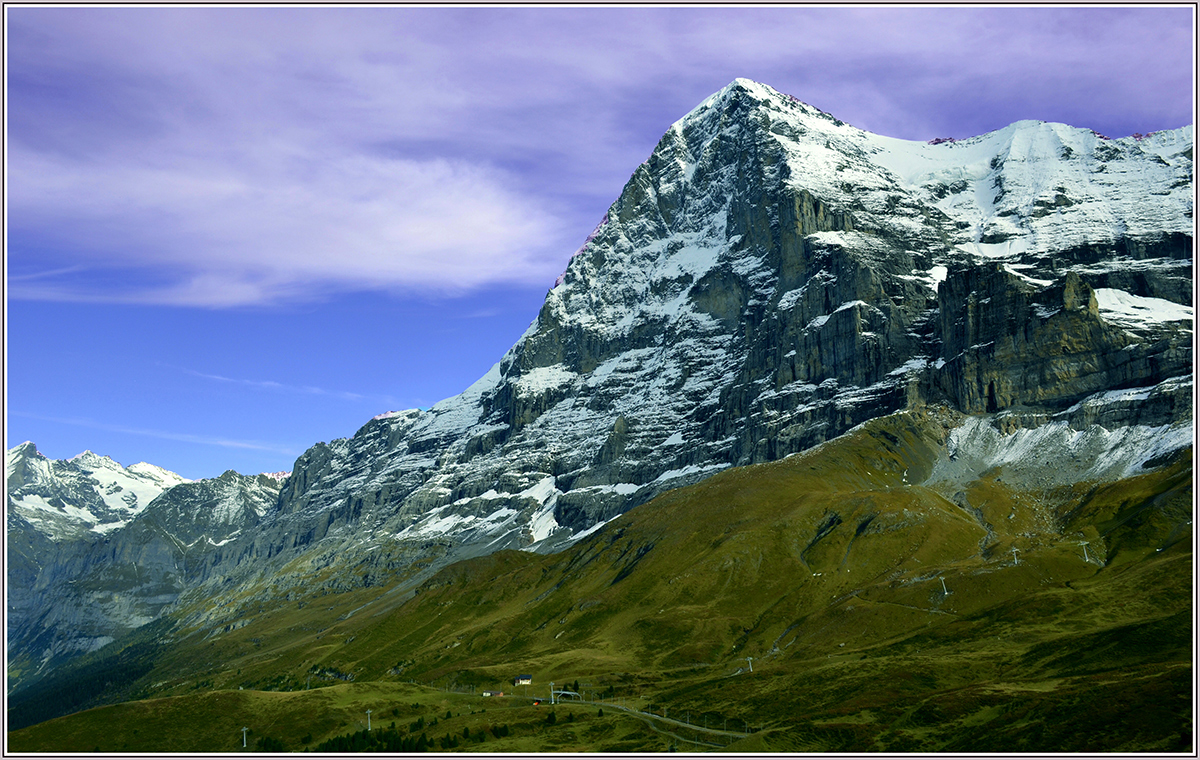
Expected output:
(1006, 184)
(89, 458)
(19, 454)
(87, 492)
(400, 413)
(154, 472)
(721, 96)
(749, 95)
(26, 448)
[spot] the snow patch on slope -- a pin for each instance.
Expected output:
(1130, 311)
(541, 379)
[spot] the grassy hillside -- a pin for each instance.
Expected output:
(881, 610)
(304, 720)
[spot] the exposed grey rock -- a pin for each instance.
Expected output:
(1010, 344)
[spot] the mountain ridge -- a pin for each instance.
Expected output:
(769, 279)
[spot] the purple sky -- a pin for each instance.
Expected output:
(233, 232)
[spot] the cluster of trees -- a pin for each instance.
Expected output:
(391, 740)
(419, 723)
(268, 744)
(385, 740)
(551, 719)
(480, 736)
(104, 677)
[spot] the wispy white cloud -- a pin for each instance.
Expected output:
(272, 385)
(238, 234)
(44, 274)
(479, 314)
(165, 435)
(260, 158)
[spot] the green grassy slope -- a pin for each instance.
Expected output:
(826, 568)
(302, 720)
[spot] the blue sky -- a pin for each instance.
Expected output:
(234, 232)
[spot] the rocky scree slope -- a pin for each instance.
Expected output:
(96, 549)
(769, 278)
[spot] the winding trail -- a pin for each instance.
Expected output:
(651, 718)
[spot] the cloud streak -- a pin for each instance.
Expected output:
(271, 385)
(165, 435)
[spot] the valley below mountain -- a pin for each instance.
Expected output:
(834, 441)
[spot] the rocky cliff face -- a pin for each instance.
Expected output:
(1013, 343)
(55, 508)
(769, 278)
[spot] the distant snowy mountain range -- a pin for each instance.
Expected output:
(768, 279)
(85, 493)
(96, 549)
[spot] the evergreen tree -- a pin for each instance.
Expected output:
(268, 744)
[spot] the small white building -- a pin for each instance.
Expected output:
(523, 680)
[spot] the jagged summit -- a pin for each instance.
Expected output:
(742, 87)
(154, 471)
(719, 99)
(91, 458)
